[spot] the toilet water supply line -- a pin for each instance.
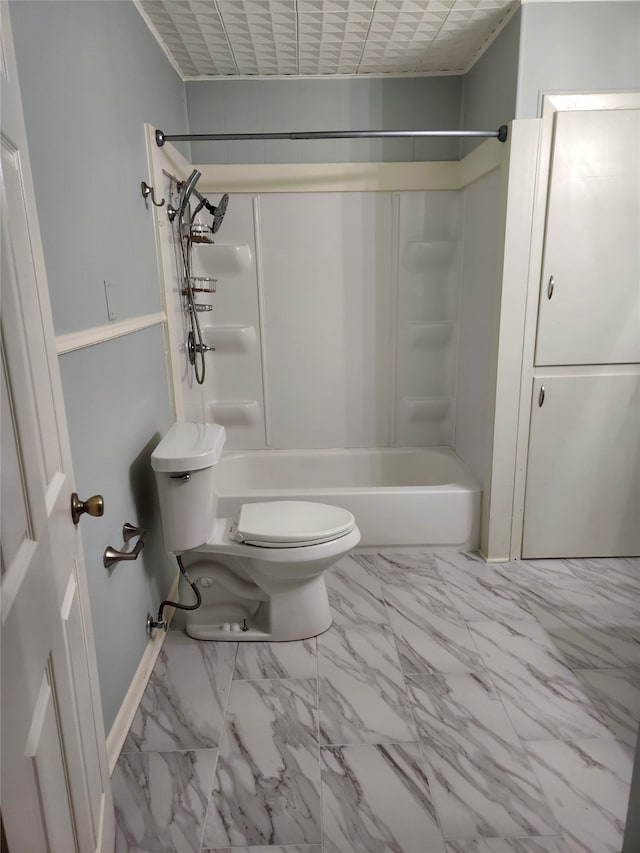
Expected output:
(162, 623)
(224, 577)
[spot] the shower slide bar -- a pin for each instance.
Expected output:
(162, 137)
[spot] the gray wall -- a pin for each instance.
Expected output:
(577, 47)
(245, 106)
(91, 74)
(489, 88)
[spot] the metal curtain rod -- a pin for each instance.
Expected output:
(162, 137)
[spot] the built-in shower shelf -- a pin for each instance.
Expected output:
(429, 334)
(216, 259)
(417, 409)
(234, 412)
(232, 338)
(419, 255)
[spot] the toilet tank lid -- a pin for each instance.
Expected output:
(189, 447)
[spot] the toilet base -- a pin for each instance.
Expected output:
(294, 614)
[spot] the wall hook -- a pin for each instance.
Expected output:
(149, 191)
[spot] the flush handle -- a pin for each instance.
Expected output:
(183, 477)
(92, 506)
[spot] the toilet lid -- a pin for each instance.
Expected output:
(290, 523)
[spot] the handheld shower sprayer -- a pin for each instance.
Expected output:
(187, 189)
(185, 194)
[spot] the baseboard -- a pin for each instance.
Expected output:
(124, 717)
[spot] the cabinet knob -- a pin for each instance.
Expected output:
(550, 287)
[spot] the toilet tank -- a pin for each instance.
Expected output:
(184, 463)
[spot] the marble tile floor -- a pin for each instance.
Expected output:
(452, 707)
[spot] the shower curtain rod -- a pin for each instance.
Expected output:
(162, 137)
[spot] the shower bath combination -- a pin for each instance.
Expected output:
(192, 231)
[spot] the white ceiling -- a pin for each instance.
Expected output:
(311, 38)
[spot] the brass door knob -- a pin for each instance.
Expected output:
(93, 506)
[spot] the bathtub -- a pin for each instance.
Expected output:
(399, 496)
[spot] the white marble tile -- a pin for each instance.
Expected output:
(430, 634)
(297, 659)
(587, 784)
(354, 593)
(267, 784)
(395, 566)
(478, 591)
(590, 626)
(362, 695)
(160, 800)
(508, 845)
(376, 798)
(184, 702)
(271, 848)
(622, 572)
(482, 783)
(534, 574)
(616, 695)
(604, 599)
(541, 695)
(605, 581)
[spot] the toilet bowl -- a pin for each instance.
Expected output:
(260, 574)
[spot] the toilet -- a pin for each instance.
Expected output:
(260, 573)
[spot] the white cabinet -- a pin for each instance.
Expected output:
(590, 314)
(583, 476)
(582, 492)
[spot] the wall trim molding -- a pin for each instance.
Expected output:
(100, 334)
(351, 177)
(122, 723)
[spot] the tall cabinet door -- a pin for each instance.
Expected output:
(590, 289)
(583, 476)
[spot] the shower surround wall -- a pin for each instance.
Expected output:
(350, 306)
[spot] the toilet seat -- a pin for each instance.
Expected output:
(291, 524)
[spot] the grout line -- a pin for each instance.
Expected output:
(223, 727)
(368, 743)
(319, 745)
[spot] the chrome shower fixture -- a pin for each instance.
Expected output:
(219, 212)
(187, 189)
(190, 229)
(185, 193)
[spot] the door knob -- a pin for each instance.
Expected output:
(93, 506)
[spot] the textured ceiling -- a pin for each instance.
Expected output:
(262, 38)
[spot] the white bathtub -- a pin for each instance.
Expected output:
(399, 496)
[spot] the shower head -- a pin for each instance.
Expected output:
(219, 212)
(187, 189)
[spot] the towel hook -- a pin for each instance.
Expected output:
(149, 191)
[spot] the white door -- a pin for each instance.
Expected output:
(590, 289)
(55, 783)
(583, 473)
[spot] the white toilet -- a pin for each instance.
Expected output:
(260, 574)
